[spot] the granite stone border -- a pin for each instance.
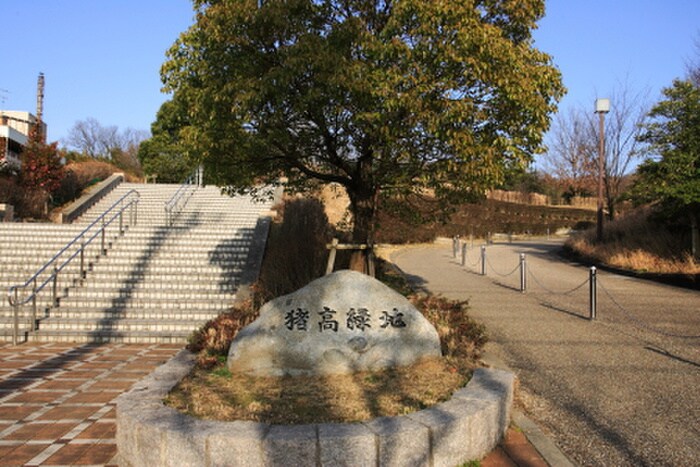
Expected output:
(464, 428)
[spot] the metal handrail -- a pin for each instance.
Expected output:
(178, 201)
(128, 201)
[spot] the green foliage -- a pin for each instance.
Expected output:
(165, 154)
(674, 134)
(385, 98)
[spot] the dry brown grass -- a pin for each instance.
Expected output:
(212, 392)
(637, 243)
(218, 395)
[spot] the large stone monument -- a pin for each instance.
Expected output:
(341, 323)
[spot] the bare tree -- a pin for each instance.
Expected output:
(623, 126)
(569, 155)
(92, 139)
(573, 152)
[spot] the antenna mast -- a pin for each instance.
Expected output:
(40, 107)
(40, 97)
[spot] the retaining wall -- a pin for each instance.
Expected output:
(85, 202)
(466, 427)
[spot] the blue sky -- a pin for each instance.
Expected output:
(101, 58)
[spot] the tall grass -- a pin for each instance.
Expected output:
(638, 242)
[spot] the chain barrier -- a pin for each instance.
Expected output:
(469, 262)
(553, 292)
(639, 323)
(591, 281)
(488, 262)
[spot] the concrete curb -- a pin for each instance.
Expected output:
(465, 428)
(542, 443)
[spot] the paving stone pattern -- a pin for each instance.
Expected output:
(57, 400)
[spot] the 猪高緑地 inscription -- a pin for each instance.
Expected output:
(356, 319)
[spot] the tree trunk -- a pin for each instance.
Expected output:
(363, 204)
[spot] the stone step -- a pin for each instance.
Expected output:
(156, 283)
(121, 337)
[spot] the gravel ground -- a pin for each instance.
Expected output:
(621, 390)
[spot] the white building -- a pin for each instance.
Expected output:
(15, 127)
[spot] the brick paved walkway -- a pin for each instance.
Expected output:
(57, 404)
(57, 400)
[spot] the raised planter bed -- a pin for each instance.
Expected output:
(464, 428)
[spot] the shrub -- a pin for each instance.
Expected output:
(213, 339)
(461, 337)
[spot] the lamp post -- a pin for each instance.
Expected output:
(602, 106)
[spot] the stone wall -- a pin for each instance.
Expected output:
(466, 427)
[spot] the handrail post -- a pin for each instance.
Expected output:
(55, 285)
(103, 249)
(523, 280)
(82, 260)
(15, 307)
(121, 223)
(34, 327)
(592, 293)
(483, 260)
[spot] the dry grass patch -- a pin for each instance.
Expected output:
(637, 243)
(212, 392)
(215, 394)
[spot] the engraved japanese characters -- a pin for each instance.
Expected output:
(341, 323)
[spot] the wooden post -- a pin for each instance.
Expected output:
(331, 256)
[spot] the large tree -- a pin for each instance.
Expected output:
(166, 155)
(674, 134)
(386, 98)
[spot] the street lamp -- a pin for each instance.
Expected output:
(602, 106)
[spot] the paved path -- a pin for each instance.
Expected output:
(57, 404)
(57, 400)
(611, 392)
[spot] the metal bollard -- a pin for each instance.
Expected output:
(464, 254)
(593, 294)
(523, 275)
(483, 260)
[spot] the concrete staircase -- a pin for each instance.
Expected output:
(157, 283)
